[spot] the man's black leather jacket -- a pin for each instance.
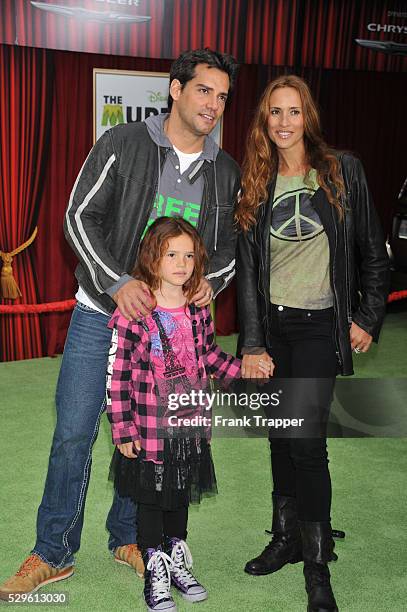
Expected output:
(359, 266)
(112, 200)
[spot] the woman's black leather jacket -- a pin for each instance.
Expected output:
(359, 266)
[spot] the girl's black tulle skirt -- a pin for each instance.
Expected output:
(185, 476)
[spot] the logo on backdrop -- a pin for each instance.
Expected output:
(121, 2)
(113, 114)
(390, 28)
(386, 46)
(156, 97)
(82, 13)
(387, 27)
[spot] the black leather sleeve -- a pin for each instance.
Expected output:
(248, 296)
(374, 265)
(223, 261)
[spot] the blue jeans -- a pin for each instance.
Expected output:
(80, 402)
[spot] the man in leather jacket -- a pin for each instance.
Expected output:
(167, 166)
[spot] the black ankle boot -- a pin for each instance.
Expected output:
(285, 546)
(317, 549)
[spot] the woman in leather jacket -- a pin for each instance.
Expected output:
(312, 282)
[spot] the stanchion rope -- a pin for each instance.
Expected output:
(69, 305)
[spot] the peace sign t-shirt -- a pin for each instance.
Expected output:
(299, 250)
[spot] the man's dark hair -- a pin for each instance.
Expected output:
(183, 68)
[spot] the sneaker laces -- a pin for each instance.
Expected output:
(30, 564)
(160, 565)
(182, 563)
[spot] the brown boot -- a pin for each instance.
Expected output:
(130, 555)
(33, 575)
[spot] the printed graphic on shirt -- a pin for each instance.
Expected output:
(173, 354)
(294, 217)
(299, 249)
(167, 206)
(178, 330)
(110, 363)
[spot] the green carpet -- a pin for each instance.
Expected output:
(370, 500)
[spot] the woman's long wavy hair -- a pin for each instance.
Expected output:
(261, 162)
(154, 246)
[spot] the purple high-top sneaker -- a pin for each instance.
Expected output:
(181, 577)
(157, 581)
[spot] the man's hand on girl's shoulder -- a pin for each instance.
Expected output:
(134, 300)
(204, 294)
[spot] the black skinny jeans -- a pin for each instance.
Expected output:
(303, 346)
(154, 524)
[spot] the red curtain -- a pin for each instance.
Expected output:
(361, 111)
(25, 79)
(315, 33)
(364, 112)
(236, 120)
(71, 140)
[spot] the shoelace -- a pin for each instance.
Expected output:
(276, 542)
(182, 562)
(29, 564)
(160, 565)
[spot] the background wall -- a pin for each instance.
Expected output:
(46, 132)
(312, 33)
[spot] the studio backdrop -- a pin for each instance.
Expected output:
(48, 101)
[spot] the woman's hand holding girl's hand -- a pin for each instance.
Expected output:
(203, 295)
(257, 366)
(127, 449)
(134, 300)
(267, 367)
(360, 340)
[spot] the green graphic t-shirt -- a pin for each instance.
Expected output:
(168, 206)
(178, 195)
(299, 250)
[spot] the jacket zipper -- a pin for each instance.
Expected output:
(204, 207)
(345, 238)
(148, 213)
(261, 277)
(338, 353)
(262, 264)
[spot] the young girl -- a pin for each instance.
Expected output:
(160, 463)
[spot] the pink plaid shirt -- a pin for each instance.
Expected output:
(132, 399)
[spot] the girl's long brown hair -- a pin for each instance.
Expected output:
(154, 246)
(260, 165)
